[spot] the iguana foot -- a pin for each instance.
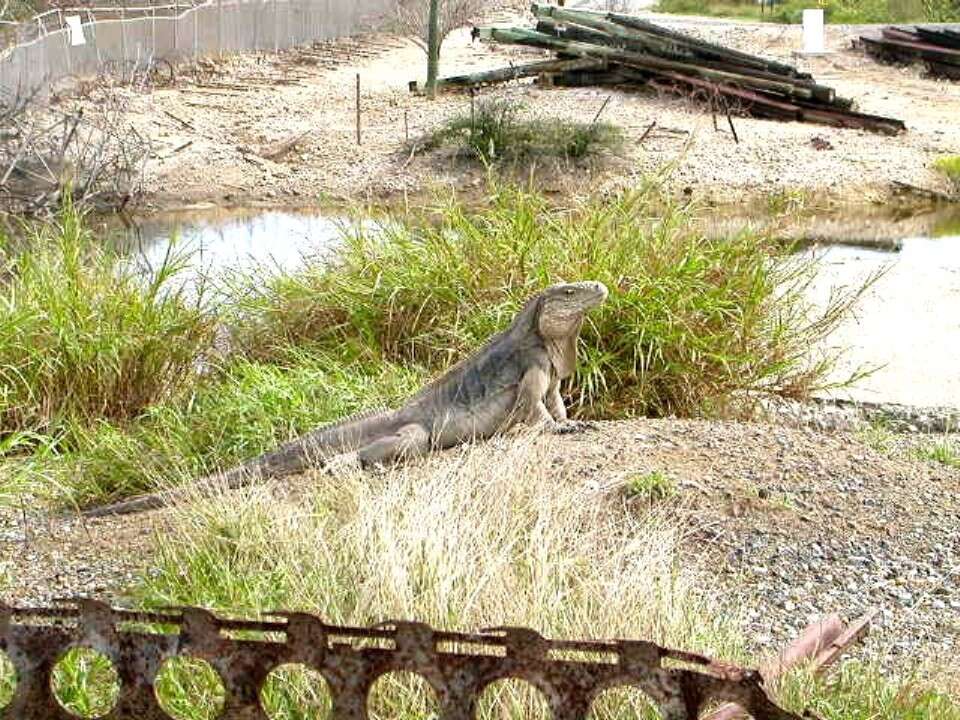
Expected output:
(571, 427)
(372, 467)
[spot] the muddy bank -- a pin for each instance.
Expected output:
(873, 226)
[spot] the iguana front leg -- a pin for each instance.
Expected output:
(541, 405)
(531, 409)
(558, 411)
(554, 402)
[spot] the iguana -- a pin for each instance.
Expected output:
(515, 377)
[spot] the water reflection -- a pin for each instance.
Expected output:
(909, 321)
(219, 241)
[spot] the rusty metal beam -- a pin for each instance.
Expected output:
(457, 666)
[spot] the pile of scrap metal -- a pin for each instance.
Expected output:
(937, 48)
(594, 48)
(458, 667)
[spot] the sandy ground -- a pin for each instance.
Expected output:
(794, 522)
(213, 131)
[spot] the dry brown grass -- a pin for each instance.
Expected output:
(487, 536)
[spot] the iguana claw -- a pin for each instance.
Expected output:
(571, 427)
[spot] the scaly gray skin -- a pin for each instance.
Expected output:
(514, 378)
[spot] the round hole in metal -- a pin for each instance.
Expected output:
(624, 702)
(402, 695)
(188, 688)
(295, 691)
(512, 698)
(8, 680)
(85, 683)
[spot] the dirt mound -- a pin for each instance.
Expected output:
(796, 523)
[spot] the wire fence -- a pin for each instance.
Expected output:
(83, 42)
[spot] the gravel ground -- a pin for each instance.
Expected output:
(213, 131)
(797, 522)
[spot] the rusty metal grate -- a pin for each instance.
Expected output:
(457, 666)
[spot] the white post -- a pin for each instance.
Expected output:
(276, 27)
(813, 41)
(123, 40)
(70, 27)
(153, 31)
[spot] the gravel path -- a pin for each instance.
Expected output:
(797, 523)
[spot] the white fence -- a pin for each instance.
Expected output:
(142, 34)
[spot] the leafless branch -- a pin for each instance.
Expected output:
(44, 149)
(411, 17)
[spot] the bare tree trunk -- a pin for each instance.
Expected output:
(433, 48)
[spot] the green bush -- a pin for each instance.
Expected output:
(950, 166)
(835, 11)
(247, 409)
(690, 321)
(497, 130)
(86, 337)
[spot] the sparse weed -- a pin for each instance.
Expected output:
(652, 486)
(878, 437)
(943, 451)
(497, 130)
(859, 691)
(787, 202)
(950, 166)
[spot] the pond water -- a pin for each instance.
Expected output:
(220, 240)
(908, 322)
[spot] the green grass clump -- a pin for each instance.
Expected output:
(85, 337)
(496, 130)
(835, 11)
(944, 452)
(248, 408)
(950, 166)
(858, 691)
(690, 320)
(651, 486)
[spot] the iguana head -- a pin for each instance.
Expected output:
(561, 309)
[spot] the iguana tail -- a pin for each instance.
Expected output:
(290, 458)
